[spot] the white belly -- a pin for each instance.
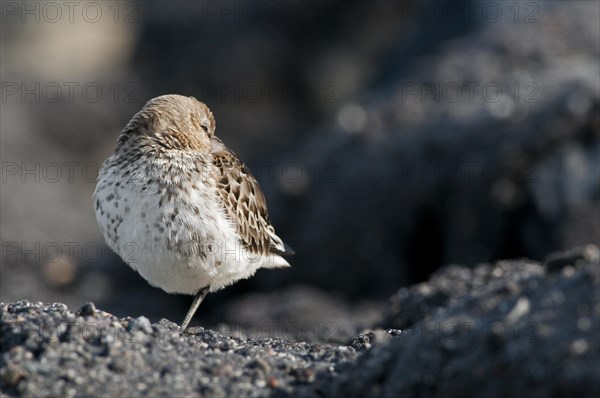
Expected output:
(180, 245)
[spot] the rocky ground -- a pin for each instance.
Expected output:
(517, 328)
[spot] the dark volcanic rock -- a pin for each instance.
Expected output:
(48, 350)
(452, 285)
(514, 328)
(532, 334)
(557, 261)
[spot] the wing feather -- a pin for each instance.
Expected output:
(244, 202)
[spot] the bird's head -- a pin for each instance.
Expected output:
(172, 122)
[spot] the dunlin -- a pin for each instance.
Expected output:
(179, 207)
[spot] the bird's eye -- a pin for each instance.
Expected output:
(205, 128)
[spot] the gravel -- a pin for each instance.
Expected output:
(512, 328)
(48, 350)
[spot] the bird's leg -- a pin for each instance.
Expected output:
(197, 300)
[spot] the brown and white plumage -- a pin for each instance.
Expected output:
(245, 202)
(179, 207)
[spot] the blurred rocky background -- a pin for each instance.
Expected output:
(390, 137)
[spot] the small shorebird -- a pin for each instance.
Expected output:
(179, 207)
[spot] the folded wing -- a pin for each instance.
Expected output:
(245, 205)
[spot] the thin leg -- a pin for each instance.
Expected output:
(195, 304)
